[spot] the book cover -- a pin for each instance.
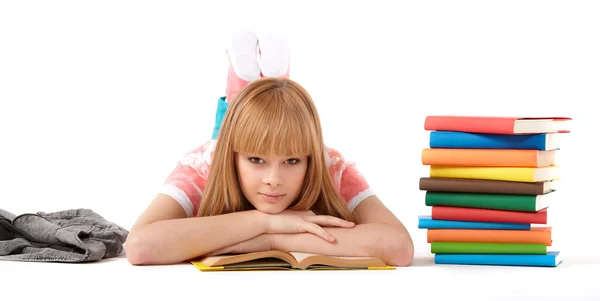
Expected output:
(536, 235)
(487, 248)
(551, 259)
(511, 202)
(426, 222)
(488, 157)
(498, 124)
(485, 186)
(489, 215)
(466, 140)
(282, 260)
(515, 174)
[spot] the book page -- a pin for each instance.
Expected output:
(261, 263)
(245, 257)
(301, 256)
(308, 260)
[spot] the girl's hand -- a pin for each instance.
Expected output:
(293, 221)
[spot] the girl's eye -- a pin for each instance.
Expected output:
(293, 161)
(255, 160)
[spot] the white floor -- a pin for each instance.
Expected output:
(575, 279)
(99, 101)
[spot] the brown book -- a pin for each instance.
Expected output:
(484, 186)
(281, 260)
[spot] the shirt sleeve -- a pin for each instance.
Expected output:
(352, 185)
(187, 181)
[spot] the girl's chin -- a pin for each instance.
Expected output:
(269, 208)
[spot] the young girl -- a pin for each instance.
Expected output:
(267, 181)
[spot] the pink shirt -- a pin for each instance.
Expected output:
(187, 181)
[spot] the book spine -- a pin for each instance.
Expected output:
(512, 202)
(480, 157)
(487, 248)
(480, 186)
(489, 215)
(536, 236)
(535, 260)
(517, 174)
(452, 139)
(472, 124)
(428, 223)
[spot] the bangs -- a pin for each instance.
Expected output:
(274, 125)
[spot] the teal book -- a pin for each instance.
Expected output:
(552, 259)
(450, 139)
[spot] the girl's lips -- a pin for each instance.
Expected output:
(271, 197)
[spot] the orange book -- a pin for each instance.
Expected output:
(537, 235)
(488, 157)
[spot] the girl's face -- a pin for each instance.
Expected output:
(270, 183)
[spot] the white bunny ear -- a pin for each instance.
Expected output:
(274, 57)
(242, 49)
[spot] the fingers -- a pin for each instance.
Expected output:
(317, 230)
(326, 220)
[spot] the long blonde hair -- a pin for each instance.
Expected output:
(271, 116)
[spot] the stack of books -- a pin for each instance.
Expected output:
(490, 188)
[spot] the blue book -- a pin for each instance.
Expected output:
(426, 222)
(444, 139)
(552, 259)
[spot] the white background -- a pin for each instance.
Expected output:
(98, 100)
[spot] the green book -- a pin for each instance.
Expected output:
(510, 202)
(486, 248)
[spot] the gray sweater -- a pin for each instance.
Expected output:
(75, 235)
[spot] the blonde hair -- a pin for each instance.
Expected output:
(271, 116)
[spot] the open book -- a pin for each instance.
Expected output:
(281, 260)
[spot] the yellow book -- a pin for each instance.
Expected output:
(515, 174)
(287, 261)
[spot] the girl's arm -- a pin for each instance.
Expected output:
(378, 233)
(164, 234)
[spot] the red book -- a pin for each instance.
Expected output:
(498, 124)
(489, 215)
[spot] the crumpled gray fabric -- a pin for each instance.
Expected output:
(74, 235)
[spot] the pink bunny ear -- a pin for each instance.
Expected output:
(243, 61)
(274, 50)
